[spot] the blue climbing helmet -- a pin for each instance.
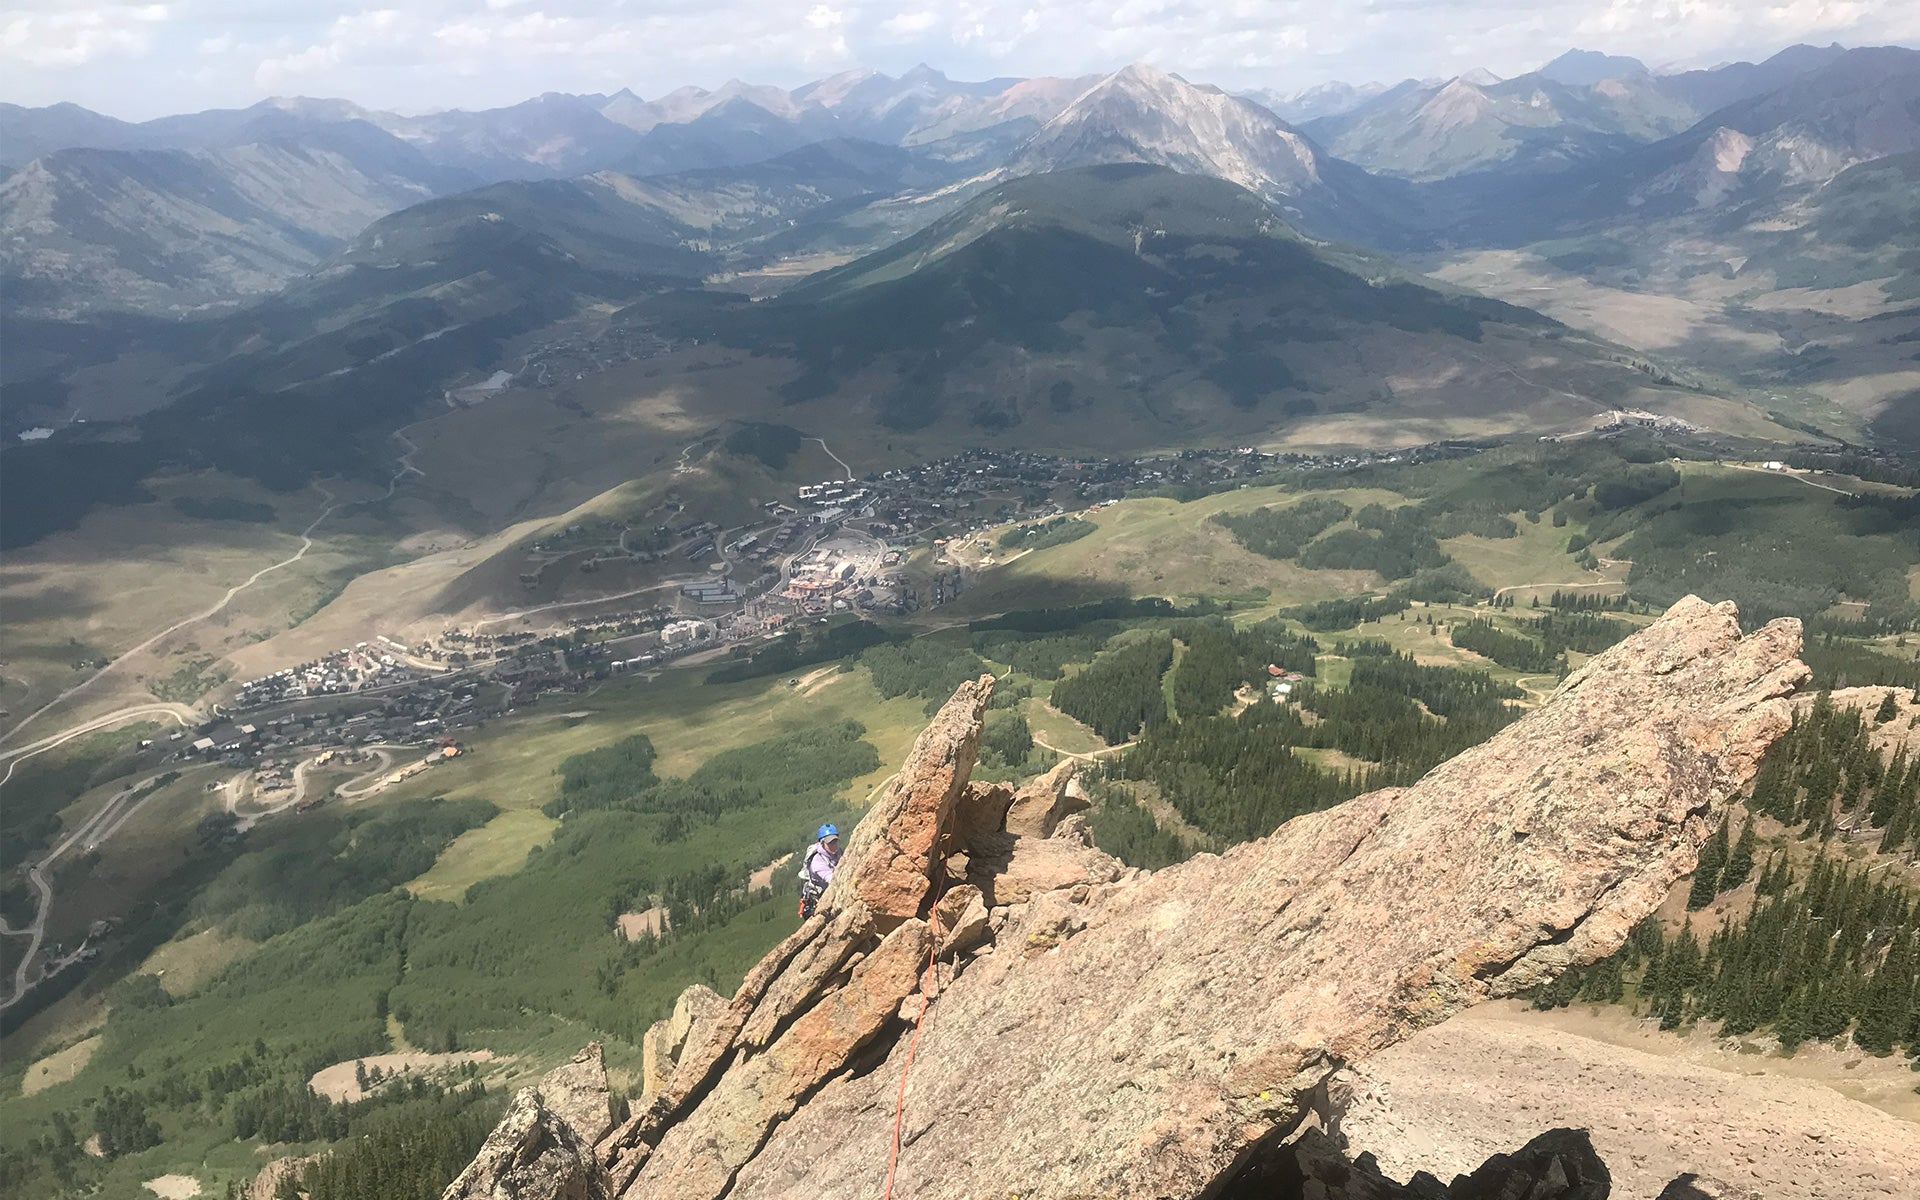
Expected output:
(825, 832)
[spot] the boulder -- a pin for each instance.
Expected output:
(1012, 870)
(960, 920)
(267, 1184)
(1558, 1165)
(1044, 802)
(699, 1155)
(577, 1093)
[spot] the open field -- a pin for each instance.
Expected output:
(1534, 563)
(496, 848)
(514, 763)
(1056, 730)
(90, 594)
(185, 963)
(59, 1067)
(340, 1082)
(1811, 354)
(1149, 547)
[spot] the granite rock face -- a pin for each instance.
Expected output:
(1129, 1034)
(533, 1154)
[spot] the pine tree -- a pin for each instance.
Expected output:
(1886, 797)
(1739, 859)
(1888, 710)
(1706, 876)
(1887, 1006)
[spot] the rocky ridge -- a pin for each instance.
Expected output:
(1079, 1028)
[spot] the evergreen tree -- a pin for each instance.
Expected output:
(1739, 859)
(1706, 876)
(1888, 710)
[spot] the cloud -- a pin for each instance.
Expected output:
(907, 25)
(417, 55)
(74, 38)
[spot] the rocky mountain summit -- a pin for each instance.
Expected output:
(988, 1005)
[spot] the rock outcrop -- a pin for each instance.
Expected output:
(543, 1148)
(1100, 1031)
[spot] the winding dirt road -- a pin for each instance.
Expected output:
(105, 823)
(1093, 756)
(306, 544)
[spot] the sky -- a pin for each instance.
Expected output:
(142, 60)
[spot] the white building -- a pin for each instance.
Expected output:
(685, 633)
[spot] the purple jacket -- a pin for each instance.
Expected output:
(820, 862)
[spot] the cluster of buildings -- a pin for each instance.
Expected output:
(837, 546)
(263, 736)
(845, 572)
(1280, 683)
(363, 665)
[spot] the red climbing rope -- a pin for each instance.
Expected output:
(926, 1003)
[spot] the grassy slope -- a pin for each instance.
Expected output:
(513, 763)
(1162, 547)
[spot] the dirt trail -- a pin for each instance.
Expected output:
(306, 544)
(1525, 587)
(1093, 756)
(331, 505)
(103, 824)
(834, 457)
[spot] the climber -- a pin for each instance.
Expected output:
(816, 869)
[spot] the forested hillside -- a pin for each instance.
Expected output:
(1819, 932)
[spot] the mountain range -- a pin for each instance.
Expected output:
(310, 265)
(1580, 106)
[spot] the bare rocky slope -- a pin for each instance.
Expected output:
(1078, 1028)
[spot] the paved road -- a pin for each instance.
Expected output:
(181, 714)
(1521, 587)
(1801, 476)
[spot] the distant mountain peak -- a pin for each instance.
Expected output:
(1480, 77)
(1584, 68)
(1142, 72)
(1145, 115)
